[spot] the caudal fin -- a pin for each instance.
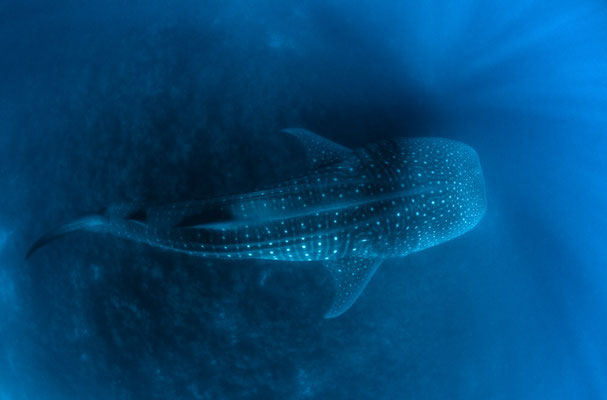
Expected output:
(88, 222)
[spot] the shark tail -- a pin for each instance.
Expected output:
(90, 222)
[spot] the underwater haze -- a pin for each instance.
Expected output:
(106, 102)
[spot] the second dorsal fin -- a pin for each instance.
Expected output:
(320, 152)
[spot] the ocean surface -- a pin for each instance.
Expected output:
(105, 102)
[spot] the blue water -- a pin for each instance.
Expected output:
(156, 101)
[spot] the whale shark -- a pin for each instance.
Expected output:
(351, 210)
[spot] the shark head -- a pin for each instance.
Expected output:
(444, 190)
(474, 202)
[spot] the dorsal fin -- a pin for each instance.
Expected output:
(138, 215)
(320, 152)
(212, 214)
(351, 275)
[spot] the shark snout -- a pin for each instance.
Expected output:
(477, 191)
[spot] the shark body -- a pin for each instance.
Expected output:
(353, 209)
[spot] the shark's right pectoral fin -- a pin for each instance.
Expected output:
(351, 275)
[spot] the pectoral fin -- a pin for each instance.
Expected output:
(320, 152)
(351, 275)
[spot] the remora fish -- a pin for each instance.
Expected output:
(354, 209)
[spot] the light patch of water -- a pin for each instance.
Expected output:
(3, 238)
(7, 289)
(7, 286)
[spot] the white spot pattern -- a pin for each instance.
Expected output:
(387, 199)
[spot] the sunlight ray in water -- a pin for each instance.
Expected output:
(136, 104)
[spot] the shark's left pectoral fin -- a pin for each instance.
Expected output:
(320, 151)
(351, 275)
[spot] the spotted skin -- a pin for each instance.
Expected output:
(354, 209)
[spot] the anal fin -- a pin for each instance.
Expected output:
(351, 275)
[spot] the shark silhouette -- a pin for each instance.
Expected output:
(354, 209)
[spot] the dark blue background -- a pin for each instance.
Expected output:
(170, 100)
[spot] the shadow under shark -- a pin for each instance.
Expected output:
(354, 209)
